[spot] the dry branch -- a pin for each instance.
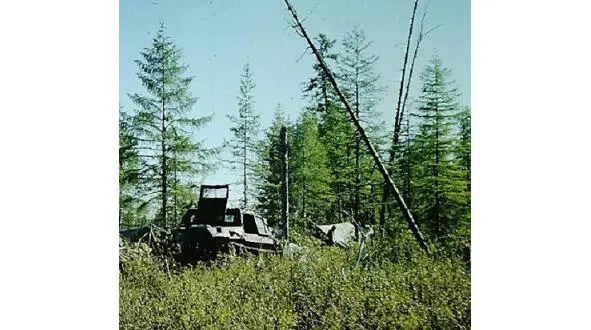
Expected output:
(412, 65)
(406, 212)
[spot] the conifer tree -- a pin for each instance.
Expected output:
(245, 134)
(463, 159)
(464, 146)
(310, 178)
(334, 129)
(405, 164)
(269, 173)
(164, 128)
(318, 89)
(360, 84)
(438, 184)
(402, 169)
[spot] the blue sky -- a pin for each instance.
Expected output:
(217, 37)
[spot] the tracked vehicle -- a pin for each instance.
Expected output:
(212, 228)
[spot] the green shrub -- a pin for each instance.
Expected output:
(320, 291)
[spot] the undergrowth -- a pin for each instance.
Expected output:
(318, 290)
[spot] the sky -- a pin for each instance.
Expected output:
(217, 38)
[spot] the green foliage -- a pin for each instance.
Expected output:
(317, 291)
(132, 210)
(353, 181)
(361, 86)
(357, 78)
(309, 176)
(128, 154)
(336, 133)
(441, 199)
(318, 89)
(463, 145)
(459, 240)
(245, 135)
(334, 130)
(170, 159)
(268, 173)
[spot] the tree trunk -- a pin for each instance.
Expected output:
(303, 205)
(164, 174)
(284, 183)
(357, 154)
(383, 204)
(407, 165)
(175, 180)
(437, 172)
(244, 187)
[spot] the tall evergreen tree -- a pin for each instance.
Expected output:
(360, 84)
(336, 134)
(269, 173)
(463, 159)
(309, 185)
(245, 134)
(438, 183)
(170, 156)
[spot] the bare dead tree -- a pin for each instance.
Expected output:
(412, 65)
(297, 25)
(398, 117)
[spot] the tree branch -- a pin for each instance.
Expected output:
(412, 65)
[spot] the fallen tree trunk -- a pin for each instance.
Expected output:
(405, 211)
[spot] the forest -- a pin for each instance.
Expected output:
(332, 176)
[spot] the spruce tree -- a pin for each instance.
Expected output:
(438, 184)
(171, 158)
(245, 134)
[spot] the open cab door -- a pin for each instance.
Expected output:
(211, 207)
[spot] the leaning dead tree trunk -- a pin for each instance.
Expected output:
(406, 212)
(398, 117)
(399, 109)
(412, 65)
